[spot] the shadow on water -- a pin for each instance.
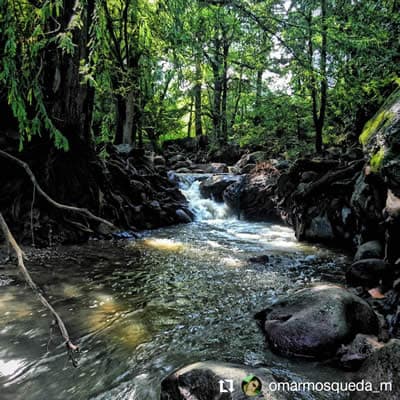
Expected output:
(143, 308)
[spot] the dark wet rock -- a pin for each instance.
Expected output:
(353, 355)
(183, 171)
(371, 249)
(182, 164)
(381, 367)
(249, 161)
(253, 197)
(179, 157)
(214, 186)
(159, 160)
(314, 197)
(319, 228)
(263, 259)
(228, 154)
(183, 216)
(315, 321)
(200, 381)
(368, 272)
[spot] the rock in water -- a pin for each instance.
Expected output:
(201, 381)
(214, 186)
(315, 321)
(382, 371)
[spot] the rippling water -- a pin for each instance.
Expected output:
(140, 309)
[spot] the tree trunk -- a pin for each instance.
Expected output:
(197, 100)
(224, 117)
(257, 117)
(127, 132)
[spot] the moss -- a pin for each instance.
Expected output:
(376, 160)
(380, 120)
(383, 118)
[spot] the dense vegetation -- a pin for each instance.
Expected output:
(282, 74)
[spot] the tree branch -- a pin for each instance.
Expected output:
(20, 257)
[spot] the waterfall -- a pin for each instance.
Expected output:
(203, 209)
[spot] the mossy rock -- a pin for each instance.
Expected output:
(381, 141)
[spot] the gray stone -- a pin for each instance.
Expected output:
(214, 186)
(381, 367)
(367, 272)
(316, 321)
(371, 249)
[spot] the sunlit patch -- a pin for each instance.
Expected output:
(71, 290)
(232, 262)
(8, 368)
(213, 244)
(11, 309)
(103, 310)
(132, 335)
(165, 245)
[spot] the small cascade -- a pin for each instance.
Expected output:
(203, 209)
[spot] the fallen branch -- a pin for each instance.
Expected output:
(20, 257)
(32, 177)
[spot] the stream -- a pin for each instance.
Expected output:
(142, 308)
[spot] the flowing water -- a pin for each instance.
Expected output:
(141, 309)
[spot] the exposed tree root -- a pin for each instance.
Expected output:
(32, 177)
(71, 348)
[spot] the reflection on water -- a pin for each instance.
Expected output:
(143, 308)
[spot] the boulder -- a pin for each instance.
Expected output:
(182, 164)
(382, 371)
(253, 197)
(159, 160)
(368, 272)
(176, 158)
(353, 355)
(183, 216)
(201, 381)
(371, 249)
(248, 160)
(316, 321)
(214, 186)
(381, 141)
(228, 154)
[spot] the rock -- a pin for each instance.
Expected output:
(382, 370)
(253, 197)
(159, 161)
(315, 321)
(354, 354)
(228, 154)
(247, 168)
(200, 381)
(319, 229)
(368, 272)
(181, 164)
(214, 186)
(381, 141)
(308, 176)
(218, 168)
(183, 216)
(183, 171)
(371, 249)
(176, 158)
(248, 160)
(259, 259)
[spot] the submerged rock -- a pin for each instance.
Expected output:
(201, 381)
(315, 321)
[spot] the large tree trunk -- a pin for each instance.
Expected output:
(129, 119)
